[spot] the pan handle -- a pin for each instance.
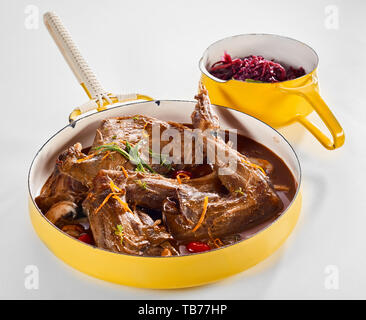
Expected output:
(83, 73)
(93, 104)
(99, 98)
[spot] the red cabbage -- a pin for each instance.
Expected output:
(254, 68)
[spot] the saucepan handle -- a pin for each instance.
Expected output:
(99, 97)
(115, 98)
(310, 92)
(83, 73)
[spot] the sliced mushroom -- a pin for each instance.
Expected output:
(62, 213)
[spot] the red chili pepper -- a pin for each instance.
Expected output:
(86, 238)
(182, 172)
(197, 246)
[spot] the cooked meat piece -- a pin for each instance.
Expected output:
(235, 171)
(151, 190)
(264, 164)
(113, 225)
(252, 199)
(84, 168)
(202, 117)
(208, 183)
(129, 128)
(225, 215)
(136, 130)
(182, 205)
(114, 133)
(60, 187)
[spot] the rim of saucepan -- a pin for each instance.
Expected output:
(205, 71)
(160, 257)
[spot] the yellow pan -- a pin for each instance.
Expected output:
(277, 104)
(162, 272)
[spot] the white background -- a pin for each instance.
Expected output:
(153, 47)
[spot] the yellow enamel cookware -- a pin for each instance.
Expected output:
(162, 272)
(155, 272)
(277, 104)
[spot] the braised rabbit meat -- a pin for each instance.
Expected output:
(159, 188)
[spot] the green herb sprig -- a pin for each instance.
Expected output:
(240, 191)
(119, 232)
(131, 154)
(143, 185)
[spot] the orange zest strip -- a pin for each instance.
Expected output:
(124, 204)
(124, 171)
(205, 204)
(106, 155)
(113, 187)
(86, 158)
(254, 166)
(185, 176)
(104, 201)
(218, 243)
(89, 195)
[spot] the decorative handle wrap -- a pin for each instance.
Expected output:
(73, 57)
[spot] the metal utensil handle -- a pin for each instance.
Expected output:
(73, 57)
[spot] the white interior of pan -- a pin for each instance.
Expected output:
(179, 111)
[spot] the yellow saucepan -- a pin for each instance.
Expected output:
(277, 104)
(162, 272)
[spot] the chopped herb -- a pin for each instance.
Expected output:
(119, 232)
(131, 153)
(240, 191)
(114, 137)
(136, 159)
(135, 118)
(113, 147)
(162, 158)
(143, 185)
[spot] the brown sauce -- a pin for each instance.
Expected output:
(281, 174)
